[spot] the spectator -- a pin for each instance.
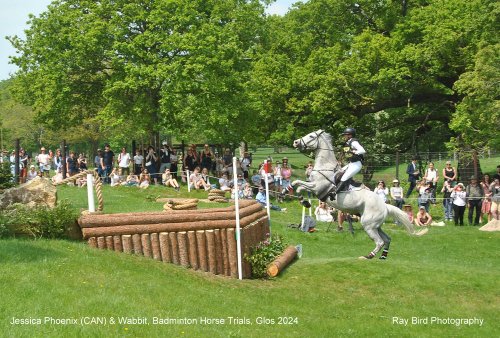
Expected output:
(23, 164)
(381, 191)
(138, 162)
(58, 177)
(486, 204)
(206, 177)
(97, 159)
(107, 160)
(323, 212)
(173, 163)
(58, 160)
(255, 182)
(422, 218)
(206, 158)
(240, 181)
(450, 173)
(82, 163)
(409, 212)
(227, 162)
(286, 172)
(495, 198)
(190, 161)
(224, 183)
(497, 175)
(247, 191)
(144, 179)
(151, 160)
(278, 179)
(431, 177)
(71, 164)
(264, 175)
(397, 194)
(458, 197)
(474, 196)
(169, 181)
(425, 195)
(43, 160)
(115, 177)
(447, 201)
(131, 181)
(124, 161)
(413, 175)
(261, 198)
(246, 162)
(32, 173)
(165, 153)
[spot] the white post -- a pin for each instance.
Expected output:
(187, 180)
(237, 211)
(90, 192)
(310, 209)
(303, 217)
(268, 205)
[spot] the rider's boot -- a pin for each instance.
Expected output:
(340, 187)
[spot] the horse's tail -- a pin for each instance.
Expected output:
(400, 216)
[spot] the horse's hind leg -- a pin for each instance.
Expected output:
(387, 243)
(379, 242)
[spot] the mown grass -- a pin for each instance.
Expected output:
(450, 273)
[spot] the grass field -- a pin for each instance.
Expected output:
(450, 273)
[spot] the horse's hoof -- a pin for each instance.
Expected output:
(363, 257)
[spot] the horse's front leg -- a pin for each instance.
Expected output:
(303, 185)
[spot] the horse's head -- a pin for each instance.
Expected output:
(308, 142)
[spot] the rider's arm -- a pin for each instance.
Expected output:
(358, 149)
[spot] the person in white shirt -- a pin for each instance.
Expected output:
(124, 161)
(397, 194)
(381, 190)
(323, 212)
(43, 160)
(138, 162)
(458, 196)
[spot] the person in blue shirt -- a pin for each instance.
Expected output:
(261, 198)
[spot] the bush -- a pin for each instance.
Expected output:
(263, 254)
(38, 222)
(6, 179)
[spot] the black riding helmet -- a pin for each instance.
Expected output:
(349, 131)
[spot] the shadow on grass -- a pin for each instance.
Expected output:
(25, 251)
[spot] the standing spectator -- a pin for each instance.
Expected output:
(206, 158)
(23, 164)
(431, 177)
(227, 162)
(497, 175)
(124, 161)
(151, 159)
(495, 198)
(107, 160)
(58, 160)
(246, 162)
(474, 196)
(397, 194)
(425, 195)
(190, 162)
(486, 205)
(278, 179)
(138, 162)
(82, 163)
(43, 160)
(422, 218)
(71, 164)
(413, 175)
(458, 196)
(97, 159)
(255, 182)
(174, 159)
(447, 201)
(382, 191)
(450, 173)
(165, 157)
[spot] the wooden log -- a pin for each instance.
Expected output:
(177, 216)
(101, 242)
(109, 243)
(166, 252)
(92, 242)
(155, 246)
(225, 257)
(201, 243)
(183, 248)
(282, 261)
(218, 252)
(233, 256)
(137, 244)
(212, 259)
(117, 243)
(172, 238)
(128, 245)
(170, 227)
(193, 250)
(146, 245)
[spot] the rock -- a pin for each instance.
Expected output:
(39, 191)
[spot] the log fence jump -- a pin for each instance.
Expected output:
(202, 239)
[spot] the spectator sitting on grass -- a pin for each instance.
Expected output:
(32, 173)
(168, 180)
(144, 179)
(197, 181)
(422, 218)
(408, 211)
(224, 183)
(261, 198)
(131, 181)
(323, 212)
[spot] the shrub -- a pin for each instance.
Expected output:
(263, 254)
(6, 179)
(38, 222)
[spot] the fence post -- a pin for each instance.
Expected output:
(16, 163)
(397, 164)
(63, 160)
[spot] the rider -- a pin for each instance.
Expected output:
(353, 152)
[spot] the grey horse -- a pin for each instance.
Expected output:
(359, 200)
